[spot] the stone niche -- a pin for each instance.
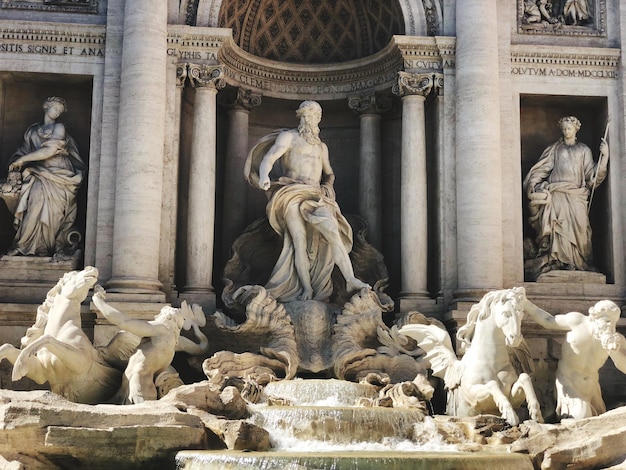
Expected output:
(21, 98)
(539, 116)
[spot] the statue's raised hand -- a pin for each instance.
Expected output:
(99, 292)
(264, 183)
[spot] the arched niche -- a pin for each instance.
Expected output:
(421, 17)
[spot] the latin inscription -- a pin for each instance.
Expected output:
(191, 55)
(552, 72)
(281, 87)
(46, 49)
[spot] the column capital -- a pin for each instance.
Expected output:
(413, 84)
(438, 84)
(370, 103)
(243, 99)
(181, 75)
(202, 76)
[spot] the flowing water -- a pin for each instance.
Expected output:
(324, 427)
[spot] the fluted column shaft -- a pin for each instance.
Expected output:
(201, 203)
(478, 147)
(234, 217)
(140, 149)
(413, 88)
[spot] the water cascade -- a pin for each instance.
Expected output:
(327, 424)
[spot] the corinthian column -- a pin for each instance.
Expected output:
(369, 108)
(413, 88)
(234, 218)
(140, 150)
(478, 149)
(201, 205)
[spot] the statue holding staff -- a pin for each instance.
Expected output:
(558, 188)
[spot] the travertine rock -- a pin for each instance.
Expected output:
(597, 442)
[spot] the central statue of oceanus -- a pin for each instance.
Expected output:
(302, 210)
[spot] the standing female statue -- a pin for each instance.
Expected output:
(52, 172)
(558, 188)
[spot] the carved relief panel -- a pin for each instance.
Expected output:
(562, 17)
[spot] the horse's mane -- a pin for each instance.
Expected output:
(482, 311)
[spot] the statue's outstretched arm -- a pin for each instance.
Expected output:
(138, 327)
(619, 355)
(188, 346)
(558, 322)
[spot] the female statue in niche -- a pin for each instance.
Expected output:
(51, 171)
(558, 188)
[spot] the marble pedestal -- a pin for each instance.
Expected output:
(27, 279)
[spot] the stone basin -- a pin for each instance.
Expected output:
(232, 460)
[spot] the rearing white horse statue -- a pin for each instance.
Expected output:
(57, 351)
(484, 381)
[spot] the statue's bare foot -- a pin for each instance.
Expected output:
(307, 294)
(355, 284)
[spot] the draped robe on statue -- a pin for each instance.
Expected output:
(316, 205)
(558, 206)
(46, 209)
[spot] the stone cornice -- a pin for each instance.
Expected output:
(70, 41)
(90, 7)
(51, 33)
(570, 57)
(578, 62)
(426, 54)
(190, 42)
(302, 81)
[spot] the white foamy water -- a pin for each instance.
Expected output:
(289, 443)
(357, 429)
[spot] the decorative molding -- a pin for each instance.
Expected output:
(426, 54)
(195, 43)
(297, 81)
(51, 39)
(413, 84)
(575, 63)
(265, 77)
(557, 24)
(63, 6)
(432, 19)
(52, 32)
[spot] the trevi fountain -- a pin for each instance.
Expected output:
(312, 234)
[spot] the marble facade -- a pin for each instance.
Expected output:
(430, 137)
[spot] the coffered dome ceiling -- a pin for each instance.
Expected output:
(312, 31)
